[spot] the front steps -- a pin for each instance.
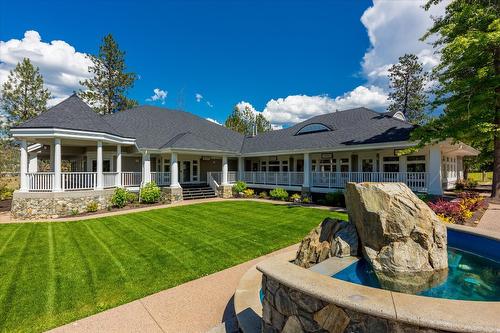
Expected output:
(198, 191)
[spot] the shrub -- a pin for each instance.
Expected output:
(306, 200)
(6, 192)
(120, 198)
(471, 201)
(295, 197)
(279, 194)
(239, 187)
(263, 195)
(248, 193)
(467, 184)
(150, 193)
(335, 199)
(74, 212)
(132, 197)
(92, 206)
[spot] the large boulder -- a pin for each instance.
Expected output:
(332, 238)
(401, 237)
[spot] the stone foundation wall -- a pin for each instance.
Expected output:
(225, 191)
(172, 194)
(29, 205)
(288, 310)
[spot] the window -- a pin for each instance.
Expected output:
(284, 166)
(415, 163)
(313, 128)
(106, 166)
(367, 165)
(391, 163)
(327, 165)
(263, 166)
(274, 166)
(344, 165)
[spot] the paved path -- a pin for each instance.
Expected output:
(491, 218)
(195, 306)
(5, 217)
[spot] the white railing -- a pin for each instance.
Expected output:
(417, 181)
(131, 178)
(109, 179)
(40, 181)
(212, 182)
(161, 178)
(274, 178)
(71, 181)
(232, 176)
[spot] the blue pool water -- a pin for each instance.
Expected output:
(474, 270)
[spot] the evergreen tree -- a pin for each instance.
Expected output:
(246, 121)
(407, 81)
(468, 40)
(23, 95)
(106, 91)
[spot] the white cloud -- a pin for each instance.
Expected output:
(60, 64)
(394, 28)
(245, 105)
(214, 121)
(210, 105)
(159, 95)
(198, 97)
(297, 108)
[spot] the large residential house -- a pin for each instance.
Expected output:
(87, 155)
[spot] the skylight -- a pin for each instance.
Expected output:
(313, 128)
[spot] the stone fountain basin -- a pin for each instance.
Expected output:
(421, 312)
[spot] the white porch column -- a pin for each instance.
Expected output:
(33, 162)
(174, 171)
(57, 165)
(241, 167)
(118, 181)
(146, 168)
(307, 171)
(224, 170)
(434, 176)
(99, 184)
(24, 167)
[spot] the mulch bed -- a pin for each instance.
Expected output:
(5, 205)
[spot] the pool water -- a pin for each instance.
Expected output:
(470, 277)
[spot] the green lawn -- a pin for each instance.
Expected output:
(54, 273)
(487, 178)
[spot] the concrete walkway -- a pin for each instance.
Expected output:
(195, 306)
(5, 217)
(491, 219)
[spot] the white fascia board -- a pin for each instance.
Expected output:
(385, 145)
(61, 133)
(190, 151)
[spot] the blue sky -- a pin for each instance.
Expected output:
(290, 59)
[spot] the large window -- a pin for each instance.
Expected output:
(367, 165)
(313, 128)
(415, 163)
(344, 165)
(391, 164)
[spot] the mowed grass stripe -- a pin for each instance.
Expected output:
(54, 273)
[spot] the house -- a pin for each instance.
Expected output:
(90, 154)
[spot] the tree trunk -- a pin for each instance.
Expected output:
(495, 190)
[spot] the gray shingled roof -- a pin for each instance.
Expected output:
(349, 127)
(72, 113)
(157, 128)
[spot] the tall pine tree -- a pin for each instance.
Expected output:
(468, 39)
(407, 81)
(23, 95)
(106, 91)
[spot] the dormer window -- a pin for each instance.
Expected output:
(313, 128)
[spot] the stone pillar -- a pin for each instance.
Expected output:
(241, 167)
(24, 167)
(174, 171)
(146, 168)
(100, 184)
(306, 185)
(224, 170)
(57, 165)
(118, 181)
(434, 175)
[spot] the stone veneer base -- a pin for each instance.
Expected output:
(172, 194)
(225, 191)
(40, 205)
(301, 300)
